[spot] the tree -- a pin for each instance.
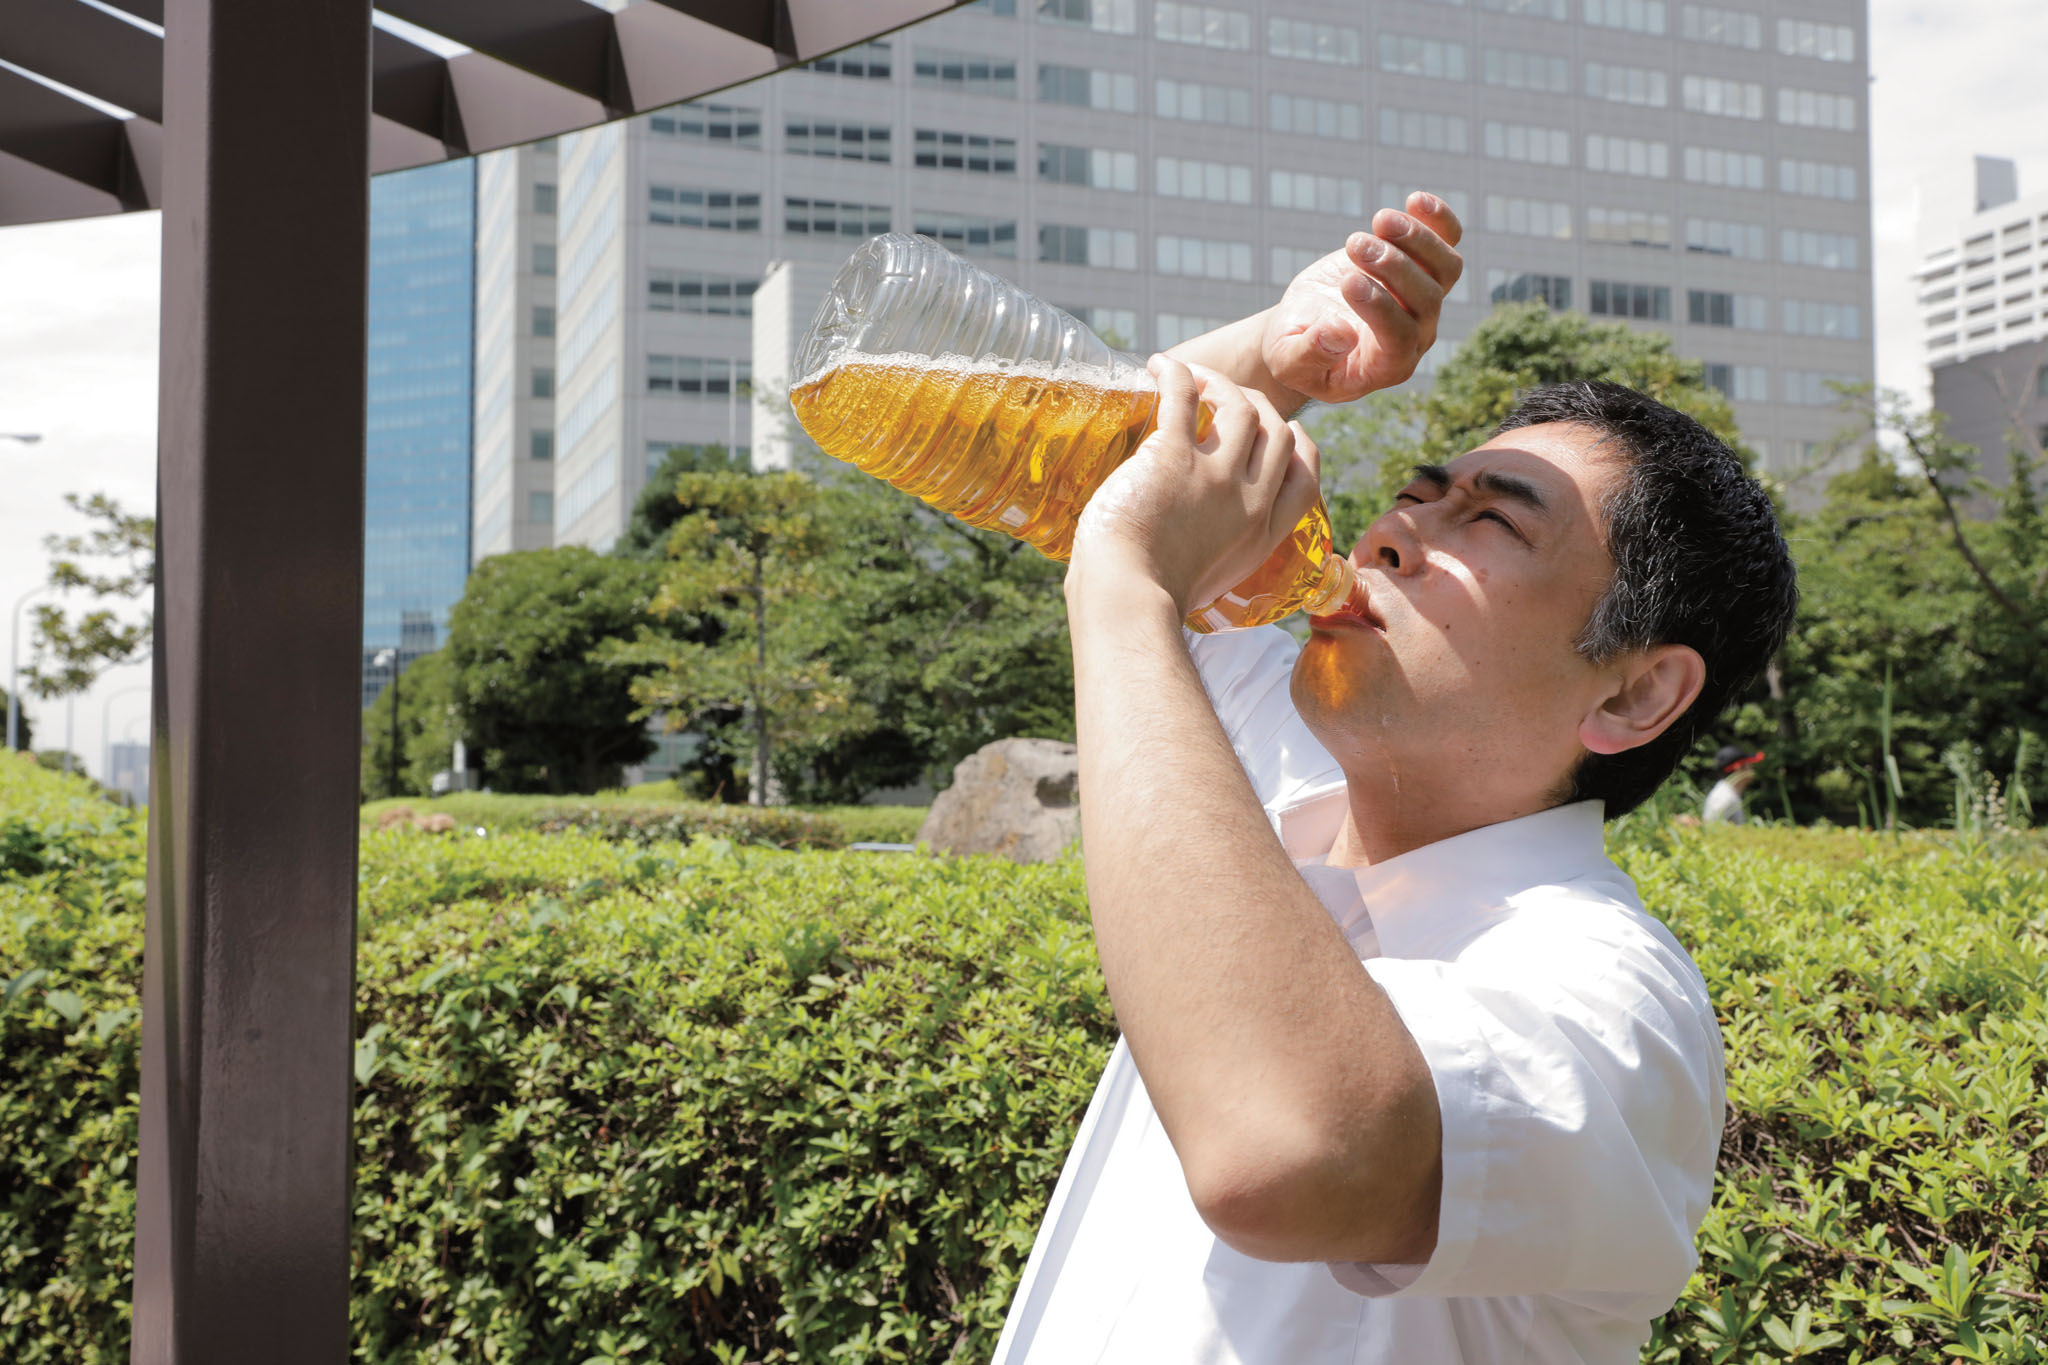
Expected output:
(429, 723)
(539, 710)
(24, 739)
(116, 559)
(658, 509)
(746, 558)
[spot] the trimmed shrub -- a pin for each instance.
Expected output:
(629, 820)
(720, 1103)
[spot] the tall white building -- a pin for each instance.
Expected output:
(1158, 167)
(512, 505)
(1982, 288)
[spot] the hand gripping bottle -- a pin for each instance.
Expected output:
(999, 409)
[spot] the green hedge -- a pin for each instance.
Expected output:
(718, 1103)
(642, 816)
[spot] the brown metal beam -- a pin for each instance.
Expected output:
(59, 133)
(242, 1250)
(568, 42)
(89, 50)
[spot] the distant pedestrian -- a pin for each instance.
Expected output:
(1737, 767)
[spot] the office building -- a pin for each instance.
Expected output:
(1982, 291)
(417, 446)
(514, 504)
(1159, 167)
(128, 771)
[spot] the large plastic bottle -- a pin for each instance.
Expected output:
(997, 408)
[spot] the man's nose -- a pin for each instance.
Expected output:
(1392, 542)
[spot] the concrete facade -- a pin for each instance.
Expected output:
(1158, 168)
(513, 507)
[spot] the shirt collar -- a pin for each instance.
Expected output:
(1430, 893)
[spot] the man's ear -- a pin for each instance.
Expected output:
(1654, 688)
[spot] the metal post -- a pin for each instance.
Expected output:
(397, 657)
(69, 699)
(241, 1249)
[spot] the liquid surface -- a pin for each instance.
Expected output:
(1020, 450)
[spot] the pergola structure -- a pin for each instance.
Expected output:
(255, 126)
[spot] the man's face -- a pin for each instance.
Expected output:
(1465, 688)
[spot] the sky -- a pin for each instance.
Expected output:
(1951, 80)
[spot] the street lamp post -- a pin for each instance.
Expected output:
(27, 438)
(388, 658)
(14, 667)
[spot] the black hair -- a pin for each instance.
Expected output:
(1698, 561)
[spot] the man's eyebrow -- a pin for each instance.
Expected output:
(1510, 486)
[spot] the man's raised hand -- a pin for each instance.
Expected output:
(1359, 319)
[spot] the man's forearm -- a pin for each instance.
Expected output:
(1235, 351)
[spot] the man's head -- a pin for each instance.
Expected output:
(1555, 615)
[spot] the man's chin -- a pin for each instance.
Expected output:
(1335, 673)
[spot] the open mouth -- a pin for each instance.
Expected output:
(1356, 610)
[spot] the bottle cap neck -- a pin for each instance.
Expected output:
(1333, 587)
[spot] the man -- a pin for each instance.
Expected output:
(1737, 769)
(1407, 1073)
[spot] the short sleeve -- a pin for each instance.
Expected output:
(1579, 1075)
(1247, 674)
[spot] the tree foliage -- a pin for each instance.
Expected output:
(113, 560)
(539, 711)
(428, 724)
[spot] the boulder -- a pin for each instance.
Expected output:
(1018, 798)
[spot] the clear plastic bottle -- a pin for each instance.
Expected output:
(999, 409)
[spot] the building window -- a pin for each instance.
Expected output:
(1394, 194)
(1815, 109)
(1631, 16)
(1216, 181)
(688, 291)
(1289, 261)
(1819, 178)
(1094, 167)
(1505, 286)
(1426, 132)
(968, 73)
(1001, 9)
(1111, 91)
(1528, 143)
(543, 197)
(1106, 248)
(940, 150)
(1728, 99)
(542, 382)
(1334, 44)
(722, 125)
(1306, 192)
(1827, 42)
(1103, 16)
(543, 320)
(1627, 156)
(1812, 318)
(1626, 84)
(1728, 27)
(1613, 299)
(1534, 9)
(1116, 326)
(841, 141)
(716, 210)
(1201, 26)
(829, 218)
(1718, 237)
(1717, 166)
(1629, 227)
(543, 258)
(868, 61)
(1171, 329)
(698, 376)
(1195, 102)
(2041, 382)
(540, 507)
(1313, 117)
(1203, 258)
(1827, 250)
(1405, 56)
(1515, 70)
(968, 235)
(1528, 217)
(1815, 388)
(1714, 308)
(1740, 383)
(540, 444)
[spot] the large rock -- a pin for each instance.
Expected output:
(1016, 797)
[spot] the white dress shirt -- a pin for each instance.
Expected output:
(1578, 1072)
(1724, 804)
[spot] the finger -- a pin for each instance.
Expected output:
(1273, 448)
(1437, 216)
(1179, 396)
(1420, 242)
(1234, 423)
(1303, 483)
(1398, 272)
(1398, 331)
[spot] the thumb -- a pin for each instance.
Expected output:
(1179, 397)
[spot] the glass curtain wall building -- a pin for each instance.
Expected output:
(417, 456)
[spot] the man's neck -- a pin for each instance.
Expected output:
(1381, 822)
